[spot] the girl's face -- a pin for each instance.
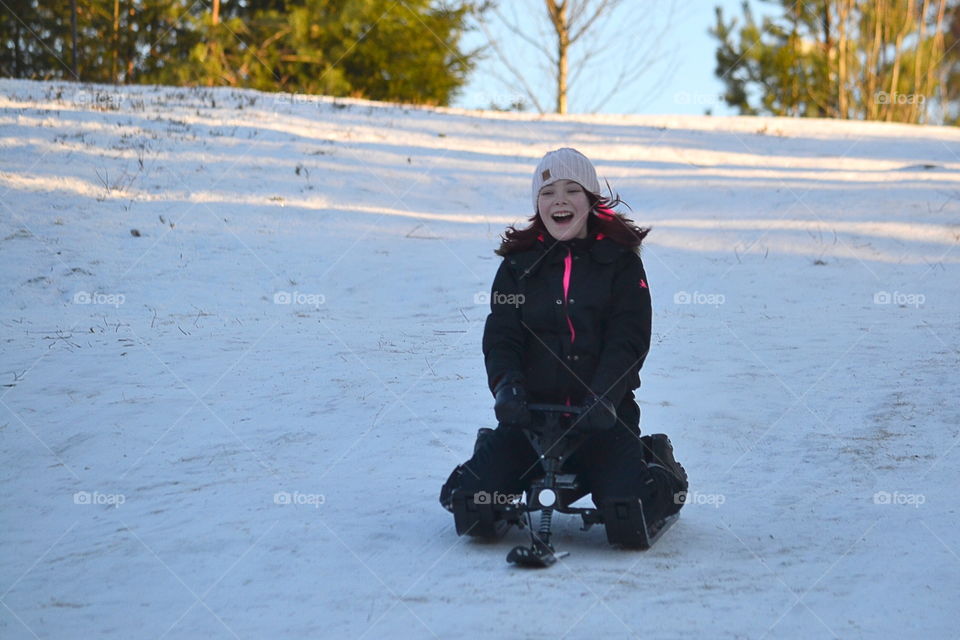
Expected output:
(563, 208)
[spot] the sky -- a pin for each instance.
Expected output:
(682, 81)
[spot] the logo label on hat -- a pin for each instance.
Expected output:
(545, 175)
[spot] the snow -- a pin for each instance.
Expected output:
(185, 455)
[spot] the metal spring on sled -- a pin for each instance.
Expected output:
(545, 517)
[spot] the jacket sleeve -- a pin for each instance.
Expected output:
(503, 334)
(626, 339)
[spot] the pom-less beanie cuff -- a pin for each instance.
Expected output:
(564, 164)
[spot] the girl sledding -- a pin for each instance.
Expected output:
(567, 334)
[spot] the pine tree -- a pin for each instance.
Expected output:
(876, 60)
(407, 51)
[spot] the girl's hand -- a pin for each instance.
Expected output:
(600, 414)
(510, 405)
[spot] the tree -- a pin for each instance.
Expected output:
(949, 106)
(402, 50)
(875, 60)
(568, 41)
(36, 39)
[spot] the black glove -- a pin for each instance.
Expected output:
(600, 414)
(510, 406)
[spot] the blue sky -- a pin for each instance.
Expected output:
(682, 82)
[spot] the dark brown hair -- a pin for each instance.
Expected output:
(602, 221)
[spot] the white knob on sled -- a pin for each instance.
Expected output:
(547, 498)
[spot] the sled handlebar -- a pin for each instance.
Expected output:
(539, 407)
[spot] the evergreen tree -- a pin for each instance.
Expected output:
(407, 50)
(876, 59)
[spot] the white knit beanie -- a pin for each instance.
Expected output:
(564, 164)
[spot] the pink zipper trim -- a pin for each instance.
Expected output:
(567, 268)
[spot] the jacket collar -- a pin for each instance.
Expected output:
(548, 249)
(601, 248)
(553, 247)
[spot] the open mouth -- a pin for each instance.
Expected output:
(562, 217)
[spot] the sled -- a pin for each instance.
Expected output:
(555, 439)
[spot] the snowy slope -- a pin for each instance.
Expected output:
(235, 424)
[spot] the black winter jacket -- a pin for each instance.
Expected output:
(569, 318)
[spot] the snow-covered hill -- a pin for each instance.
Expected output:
(241, 351)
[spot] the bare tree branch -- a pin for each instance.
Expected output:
(563, 23)
(504, 59)
(516, 30)
(602, 9)
(641, 63)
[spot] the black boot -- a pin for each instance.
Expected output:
(446, 492)
(658, 454)
(482, 434)
(475, 516)
(625, 519)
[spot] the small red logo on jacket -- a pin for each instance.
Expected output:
(643, 284)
